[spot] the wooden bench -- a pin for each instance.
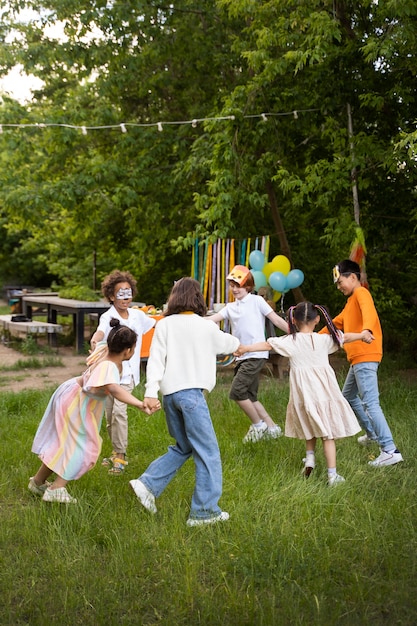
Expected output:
(32, 327)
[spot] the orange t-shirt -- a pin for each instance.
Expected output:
(360, 314)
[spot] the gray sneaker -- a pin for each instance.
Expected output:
(387, 458)
(38, 490)
(220, 517)
(254, 433)
(146, 497)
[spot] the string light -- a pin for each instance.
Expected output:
(123, 126)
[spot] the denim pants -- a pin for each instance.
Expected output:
(189, 423)
(362, 393)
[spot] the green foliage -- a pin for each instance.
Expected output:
(79, 292)
(73, 207)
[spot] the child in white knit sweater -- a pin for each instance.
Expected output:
(182, 365)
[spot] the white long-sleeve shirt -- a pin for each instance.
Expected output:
(183, 354)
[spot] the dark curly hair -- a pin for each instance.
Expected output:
(109, 283)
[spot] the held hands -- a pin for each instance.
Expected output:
(241, 350)
(367, 336)
(151, 405)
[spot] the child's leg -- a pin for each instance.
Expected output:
(329, 447)
(58, 483)
(254, 412)
(42, 474)
(117, 428)
(263, 414)
(310, 459)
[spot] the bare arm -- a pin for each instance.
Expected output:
(365, 336)
(124, 396)
(278, 321)
(96, 338)
(216, 317)
(152, 404)
(255, 347)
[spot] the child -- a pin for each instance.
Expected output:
(361, 384)
(316, 406)
(247, 316)
(182, 365)
(68, 438)
(119, 288)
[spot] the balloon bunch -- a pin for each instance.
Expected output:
(277, 273)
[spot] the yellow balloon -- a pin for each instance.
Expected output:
(280, 263)
(276, 296)
(267, 269)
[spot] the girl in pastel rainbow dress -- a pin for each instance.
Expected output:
(68, 438)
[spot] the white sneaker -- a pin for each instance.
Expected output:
(220, 517)
(38, 490)
(364, 440)
(274, 432)
(58, 495)
(335, 479)
(255, 433)
(386, 458)
(146, 497)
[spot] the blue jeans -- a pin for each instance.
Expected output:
(362, 393)
(189, 423)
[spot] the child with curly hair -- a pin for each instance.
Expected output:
(119, 288)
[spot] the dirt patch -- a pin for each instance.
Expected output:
(42, 378)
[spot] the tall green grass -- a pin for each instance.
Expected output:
(294, 552)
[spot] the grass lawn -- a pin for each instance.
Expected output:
(294, 552)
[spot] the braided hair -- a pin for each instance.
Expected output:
(305, 312)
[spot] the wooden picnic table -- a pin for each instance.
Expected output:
(64, 306)
(30, 327)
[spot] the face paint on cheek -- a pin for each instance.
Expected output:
(124, 294)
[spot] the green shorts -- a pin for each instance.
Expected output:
(246, 379)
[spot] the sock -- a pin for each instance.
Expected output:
(259, 424)
(391, 450)
(310, 452)
(331, 471)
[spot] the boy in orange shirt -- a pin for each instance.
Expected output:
(361, 384)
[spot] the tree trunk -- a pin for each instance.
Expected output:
(282, 237)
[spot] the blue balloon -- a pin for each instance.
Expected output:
(278, 281)
(256, 260)
(259, 278)
(294, 278)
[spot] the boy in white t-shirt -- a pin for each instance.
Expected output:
(247, 315)
(119, 288)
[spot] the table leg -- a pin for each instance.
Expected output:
(79, 331)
